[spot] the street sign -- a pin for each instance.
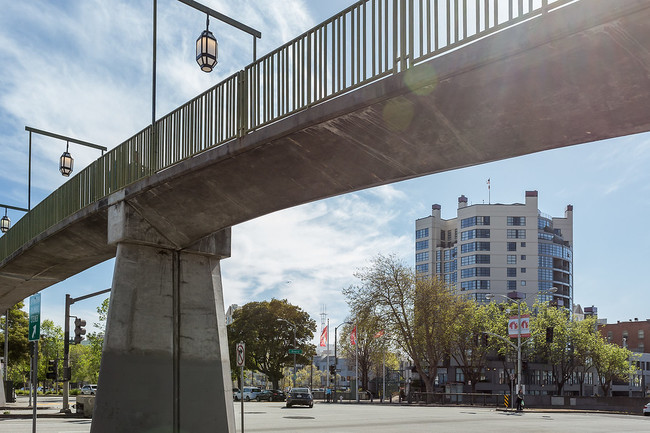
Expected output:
(513, 327)
(35, 317)
(240, 351)
(295, 351)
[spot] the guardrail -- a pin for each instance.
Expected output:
(364, 43)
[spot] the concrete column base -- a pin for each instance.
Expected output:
(165, 364)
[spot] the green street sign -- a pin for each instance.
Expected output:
(295, 351)
(35, 317)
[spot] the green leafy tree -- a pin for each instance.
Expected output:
(418, 312)
(612, 362)
(264, 328)
(50, 347)
(19, 348)
(469, 347)
(568, 336)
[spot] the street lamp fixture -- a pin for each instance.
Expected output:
(207, 48)
(5, 223)
(66, 162)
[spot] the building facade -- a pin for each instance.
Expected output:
(499, 249)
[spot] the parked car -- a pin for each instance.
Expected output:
(300, 396)
(89, 389)
(236, 394)
(271, 395)
(646, 409)
(250, 392)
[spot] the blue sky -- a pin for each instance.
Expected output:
(83, 69)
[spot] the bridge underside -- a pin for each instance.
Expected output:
(578, 75)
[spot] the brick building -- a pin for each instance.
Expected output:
(633, 334)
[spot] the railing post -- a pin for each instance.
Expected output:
(403, 32)
(242, 104)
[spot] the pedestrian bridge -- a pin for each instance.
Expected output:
(384, 91)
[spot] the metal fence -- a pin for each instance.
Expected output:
(364, 43)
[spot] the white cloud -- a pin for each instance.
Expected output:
(316, 247)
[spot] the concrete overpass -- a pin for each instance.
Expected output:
(540, 80)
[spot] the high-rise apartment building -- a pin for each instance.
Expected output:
(499, 248)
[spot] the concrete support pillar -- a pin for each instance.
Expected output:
(165, 364)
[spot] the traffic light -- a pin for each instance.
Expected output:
(549, 335)
(332, 369)
(485, 339)
(50, 373)
(79, 330)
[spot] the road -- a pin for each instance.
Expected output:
(348, 418)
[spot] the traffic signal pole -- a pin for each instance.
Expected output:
(66, 346)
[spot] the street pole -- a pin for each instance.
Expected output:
(6, 352)
(66, 356)
(327, 385)
(356, 352)
(518, 346)
(66, 346)
(35, 384)
(336, 379)
(383, 369)
(294, 356)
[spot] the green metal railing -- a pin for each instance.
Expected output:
(364, 43)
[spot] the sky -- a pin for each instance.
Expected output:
(83, 69)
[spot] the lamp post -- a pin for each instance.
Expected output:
(294, 346)
(206, 48)
(336, 378)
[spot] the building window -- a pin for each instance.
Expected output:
(512, 246)
(641, 334)
(512, 285)
(422, 257)
(523, 282)
(442, 235)
(516, 233)
(422, 268)
(523, 270)
(511, 259)
(467, 234)
(482, 246)
(512, 272)
(609, 336)
(422, 233)
(421, 245)
(482, 233)
(523, 257)
(516, 221)
(523, 244)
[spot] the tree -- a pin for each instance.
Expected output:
(268, 338)
(368, 348)
(570, 341)
(19, 352)
(612, 362)
(418, 312)
(469, 347)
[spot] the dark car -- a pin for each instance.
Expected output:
(300, 396)
(270, 395)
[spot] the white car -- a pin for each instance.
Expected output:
(646, 409)
(89, 389)
(250, 392)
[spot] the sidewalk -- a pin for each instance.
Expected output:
(45, 408)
